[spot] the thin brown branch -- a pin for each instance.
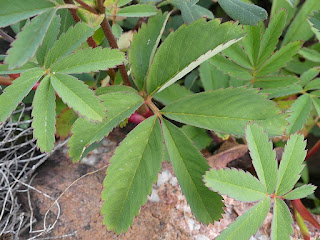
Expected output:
(87, 7)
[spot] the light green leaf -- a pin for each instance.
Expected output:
(198, 135)
(15, 11)
(307, 76)
(283, 4)
(300, 192)
(299, 113)
(44, 115)
(235, 183)
(27, 42)
(187, 48)
(300, 28)
(251, 42)
(190, 11)
(275, 81)
(172, 93)
(137, 10)
(246, 13)
(315, 24)
(310, 54)
(120, 105)
(223, 111)
(279, 59)
(313, 85)
(134, 167)
(68, 42)
(316, 104)
(211, 77)
(282, 91)
(237, 54)
(4, 68)
(292, 3)
(49, 39)
(247, 224)
(281, 228)
(15, 93)
(144, 45)
(230, 67)
(115, 88)
(78, 96)
(271, 36)
(291, 164)
(89, 60)
(189, 165)
(263, 156)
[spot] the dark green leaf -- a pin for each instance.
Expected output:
(172, 93)
(198, 135)
(211, 77)
(275, 81)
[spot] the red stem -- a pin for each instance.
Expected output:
(297, 204)
(313, 150)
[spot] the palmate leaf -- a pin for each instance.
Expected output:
(4, 68)
(246, 13)
(236, 184)
(300, 192)
(299, 113)
(313, 85)
(281, 228)
(237, 54)
(251, 42)
(44, 115)
(121, 102)
(15, 11)
(279, 59)
(15, 93)
(263, 156)
(68, 42)
(27, 42)
(134, 168)
(247, 224)
(189, 166)
(78, 96)
(187, 48)
(300, 29)
(89, 60)
(227, 111)
(271, 36)
(291, 164)
(144, 45)
(307, 76)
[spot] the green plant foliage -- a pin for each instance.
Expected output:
(180, 47)
(44, 119)
(291, 164)
(273, 183)
(310, 54)
(246, 13)
(314, 21)
(14, 94)
(143, 47)
(211, 77)
(189, 165)
(28, 40)
(172, 93)
(197, 135)
(130, 175)
(21, 9)
(77, 96)
(65, 121)
(120, 105)
(282, 221)
(137, 10)
(292, 3)
(220, 111)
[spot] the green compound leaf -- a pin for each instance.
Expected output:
(222, 110)
(307, 76)
(251, 42)
(137, 10)
(300, 29)
(189, 166)
(316, 104)
(300, 192)
(144, 45)
(89, 60)
(134, 168)
(237, 54)
(281, 228)
(186, 48)
(313, 85)
(275, 81)
(315, 24)
(172, 93)
(44, 115)
(263, 156)
(198, 135)
(15, 11)
(235, 183)
(282, 91)
(246, 13)
(279, 59)
(211, 77)
(291, 164)
(310, 54)
(15, 93)
(120, 105)
(271, 36)
(78, 96)
(247, 224)
(68, 42)
(4, 68)
(299, 113)
(49, 39)
(27, 41)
